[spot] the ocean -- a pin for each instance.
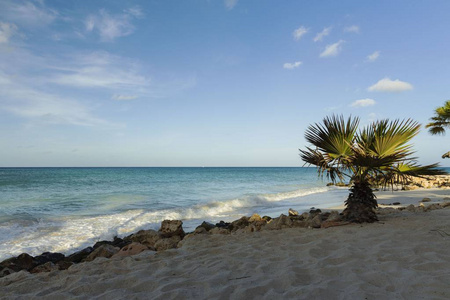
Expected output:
(67, 209)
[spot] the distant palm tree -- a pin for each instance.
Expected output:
(377, 154)
(440, 122)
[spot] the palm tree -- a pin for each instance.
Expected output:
(377, 154)
(440, 121)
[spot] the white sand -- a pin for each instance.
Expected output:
(404, 256)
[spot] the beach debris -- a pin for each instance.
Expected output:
(131, 249)
(102, 251)
(293, 212)
(425, 200)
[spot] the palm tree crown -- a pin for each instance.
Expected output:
(441, 119)
(379, 153)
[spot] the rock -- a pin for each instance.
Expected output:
(47, 267)
(199, 230)
(239, 224)
(219, 230)
(4, 271)
(130, 249)
(49, 257)
(396, 203)
(433, 206)
(445, 204)
(207, 226)
(167, 243)
(267, 218)
(254, 218)
(426, 200)
(79, 255)
(170, 228)
(410, 208)
(315, 211)
(334, 216)
(305, 216)
(282, 221)
(292, 212)
(102, 251)
(223, 224)
(316, 222)
(64, 265)
(22, 262)
(446, 199)
(145, 237)
(117, 242)
(386, 211)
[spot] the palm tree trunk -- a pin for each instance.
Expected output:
(361, 204)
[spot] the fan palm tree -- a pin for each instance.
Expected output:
(440, 122)
(377, 154)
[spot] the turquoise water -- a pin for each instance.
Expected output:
(65, 209)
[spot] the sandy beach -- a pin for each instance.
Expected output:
(403, 256)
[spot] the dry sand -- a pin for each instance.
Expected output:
(404, 256)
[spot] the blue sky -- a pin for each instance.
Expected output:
(211, 83)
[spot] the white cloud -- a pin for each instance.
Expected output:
(230, 4)
(135, 11)
(30, 103)
(110, 27)
(293, 65)
(372, 57)
(363, 103)
(353, 28)
(332, 50)
(6, 31)
(388, 85)
(124, 97)
(299, 32)
(28, 14)
(322, 34)
(99, 70)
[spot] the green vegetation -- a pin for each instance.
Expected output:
(440, 122)
(378, 153)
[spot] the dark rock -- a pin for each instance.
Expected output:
(426, 200)
(22, 262)
(117, 242)
(79, 255)
(48, 257)
(207, 226)
(170, 228)
(223, 224)
(5, 271)
(314, 212)
(396, 203)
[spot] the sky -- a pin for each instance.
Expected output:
(211, 82)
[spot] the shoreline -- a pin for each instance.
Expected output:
(201, 249)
